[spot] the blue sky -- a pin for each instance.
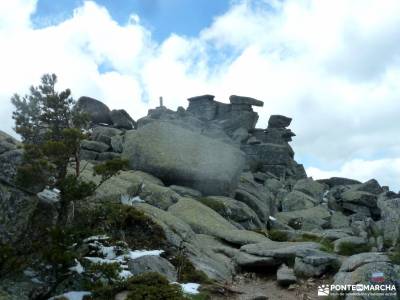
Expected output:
(162, 17)
(333, 66)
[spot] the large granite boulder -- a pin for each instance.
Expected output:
(156, 264)
(276, 253)
(314, 263)
(198, 247)
(182, 157)
(296, 200)
(7, 142)
(236, 212)
(306, 219)
(390, 213)
(104, 134)
(99, 112)
(201, 218)
(10, 157)
(16, 210)
(337, 181)
(279, 121)
(311, 188)
(121, 119)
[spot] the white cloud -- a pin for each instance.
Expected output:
(387, 171)
(331, 65)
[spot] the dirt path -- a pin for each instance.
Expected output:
(250, 286)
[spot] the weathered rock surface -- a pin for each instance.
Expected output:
(201, 218)
(94, 146)
(185, 191)
(179, 156)
(314, 263)
(285, 276)
(310, 187)
(236, 212)
(10, 157)
(121, 119)
(99, 112)
(282, 252)
(390, 211)
(306, 219)
(335, 181)
(104, 134)
(256, 196)
(153, 264)
(16, 211)
(297, 200)
(279, 121)
(352, 242)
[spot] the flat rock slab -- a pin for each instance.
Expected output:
(279, 249)
(245, 100)
(285, 276)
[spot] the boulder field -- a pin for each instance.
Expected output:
(227, 196)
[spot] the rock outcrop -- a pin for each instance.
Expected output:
(224, 196)
(183, 157)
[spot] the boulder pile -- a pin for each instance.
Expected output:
(228, 195)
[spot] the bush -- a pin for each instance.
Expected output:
(10, 259)
(187, 272)
(348, 248)
(278, 235)
(153, 286)
(103, 280)
(58, 250)
(395, 256)
(125, 223)
(326, 245)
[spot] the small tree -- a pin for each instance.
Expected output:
(47, 121)
(52, 131)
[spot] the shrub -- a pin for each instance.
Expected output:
(10, 259)
(278, 235)
(125, 223)
(187, 272)
(57, 250)
(326, 245)
(395, 256)
(153, 286)
(103, 280)
(348, 248)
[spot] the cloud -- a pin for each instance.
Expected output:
(331, 65)
(386, 170)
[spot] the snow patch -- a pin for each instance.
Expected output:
(49, 195)
(128, 200)
(96, 238)
(71, 296)
(190, 288)
(78, 268)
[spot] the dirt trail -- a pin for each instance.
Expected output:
(250, 286)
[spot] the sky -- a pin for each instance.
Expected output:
(333, 66)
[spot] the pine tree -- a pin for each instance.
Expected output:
(49, 126)
(52, 130)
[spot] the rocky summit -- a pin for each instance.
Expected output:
(208, 206)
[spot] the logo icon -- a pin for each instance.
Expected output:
(359, 287)
(378, 277)
(323, 290)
